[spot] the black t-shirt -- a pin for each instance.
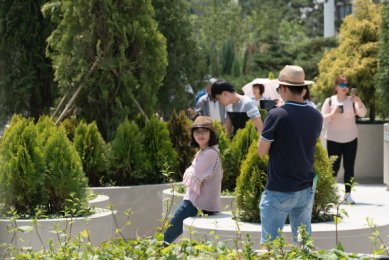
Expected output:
(293, 130)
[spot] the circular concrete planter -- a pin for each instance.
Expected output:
(353, 231)
(141, 205)
(171, 200)
(99, 226)
(101, 201)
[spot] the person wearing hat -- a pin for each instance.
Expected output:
(207, 106)
(202, 179)
(289, 136)
(239, 108)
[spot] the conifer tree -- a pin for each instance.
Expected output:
(114, 50)
(26, 77)
(186, 61)
(383, 61)
(356, 55)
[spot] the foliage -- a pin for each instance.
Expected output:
(128, 161)
(64, 179)
(92, 149)
(179, 129)
(236, 153)
(40, 169)
(356, 55)
(70, 124)
(21, 167)
(186, 61)
(382, 77)
(326, 192)
(160, 150)
(252, 180)
(26, 77)
(113, 49)
(250, 184)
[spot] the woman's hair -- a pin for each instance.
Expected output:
(261, 88)
(340, 79)
(212, 139)
(307, 94)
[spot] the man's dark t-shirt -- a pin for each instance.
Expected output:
(293, 130)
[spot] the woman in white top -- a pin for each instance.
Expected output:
(339, 113)
(202, 179)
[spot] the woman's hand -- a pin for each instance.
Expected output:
(356, 99)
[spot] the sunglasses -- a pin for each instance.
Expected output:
(343, 85)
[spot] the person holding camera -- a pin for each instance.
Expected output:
(341, 133)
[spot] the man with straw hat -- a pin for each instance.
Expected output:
(289, 136)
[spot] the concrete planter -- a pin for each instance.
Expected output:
(99, 225)
(353, 231)
(171, 201)
(101, 201)
(144, 203)
(369, 161)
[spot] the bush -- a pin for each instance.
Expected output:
(179, 128)
(21, 167)
(65, 182)
(160, 151)
(236, 153)
(252, 181)
(250, 184)
(39, 169)
(92, 149)
(70, 125)
(128, 159)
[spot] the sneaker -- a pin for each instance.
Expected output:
(348, 199)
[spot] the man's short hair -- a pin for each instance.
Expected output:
(219, 86)
(296, 90)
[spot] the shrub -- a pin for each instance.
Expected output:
(21, 167)
(326, 186)
(70, 125)
(250, 184)
(91, 147)
(236, 153)
(39, 169)
(128, 160)
(179, 128)
(160, 151)
(64, 179)
(252, 181)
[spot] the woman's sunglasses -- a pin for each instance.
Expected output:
(343, 85)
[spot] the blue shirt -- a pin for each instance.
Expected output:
(293, 130)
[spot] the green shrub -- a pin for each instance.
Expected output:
(250, 184)
(39, 169)
(160, 151)
(236, 153)
(21, 167)
(128, 160)
(70, 125)
(179, 128)
(64, 179)
(326, 191)
(92, 149)
(252, 181)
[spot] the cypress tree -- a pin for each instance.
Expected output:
(113, 49)
(26, 77)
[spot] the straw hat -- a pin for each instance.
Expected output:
(203, 122)
(292, 75)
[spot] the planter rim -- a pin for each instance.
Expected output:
(99, 213)
(127, 187)
(169, 191)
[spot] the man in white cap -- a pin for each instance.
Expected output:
(289, 136)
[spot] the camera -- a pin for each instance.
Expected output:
(267, 104)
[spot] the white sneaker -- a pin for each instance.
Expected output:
(348, 199)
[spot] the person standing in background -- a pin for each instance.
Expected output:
(207, 106)
(258, 90)
(341, 133)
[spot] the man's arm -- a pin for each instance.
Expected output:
(258, 124)
(263, 147)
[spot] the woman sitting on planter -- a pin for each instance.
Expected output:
(202, 179)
